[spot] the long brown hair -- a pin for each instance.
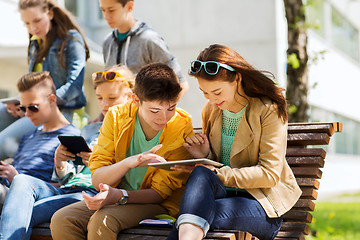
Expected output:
(60, 25)
(255, 83)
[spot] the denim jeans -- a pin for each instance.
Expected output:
(206, 203)
(31, 201)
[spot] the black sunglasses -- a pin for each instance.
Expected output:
(33, 108)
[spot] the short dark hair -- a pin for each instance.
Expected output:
(157, 81)
(124, 2)
(31, 79)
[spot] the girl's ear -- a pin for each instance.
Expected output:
(136, 100)
(51, 14)
(238, 78)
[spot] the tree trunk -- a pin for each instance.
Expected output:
(297, 71)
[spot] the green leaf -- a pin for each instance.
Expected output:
(293, 61)
(292, 109)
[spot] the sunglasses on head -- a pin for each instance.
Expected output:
(210, 67)
(33, 108)
(108, 75)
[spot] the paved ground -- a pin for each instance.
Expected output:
(341, 174)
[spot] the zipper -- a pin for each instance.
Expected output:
(272, 203)
(287, 185)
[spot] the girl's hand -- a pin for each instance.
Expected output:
(107, 196)
(198, 145)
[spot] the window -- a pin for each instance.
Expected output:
(71, 6)
(334, 27)
(344, 35)
(315, 17)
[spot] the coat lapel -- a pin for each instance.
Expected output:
(215, 135)
(243, 137)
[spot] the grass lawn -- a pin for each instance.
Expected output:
(336, 221)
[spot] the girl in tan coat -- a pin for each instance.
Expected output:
(245, 128)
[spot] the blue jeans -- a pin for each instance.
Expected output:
(31, 201)
(207, 204)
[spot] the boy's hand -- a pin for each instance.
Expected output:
(106, 196)
(142, 160)
(62, 156)
(85, 156)
(7, 171)
(198, 145)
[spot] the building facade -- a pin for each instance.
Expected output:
(254, 28)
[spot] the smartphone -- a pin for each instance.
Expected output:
(75, 144)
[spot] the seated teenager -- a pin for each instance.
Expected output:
(147, 129)
(245, 128)
(39, 199)
(35, 156)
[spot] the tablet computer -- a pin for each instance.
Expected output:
(189, 162)
(75, 144)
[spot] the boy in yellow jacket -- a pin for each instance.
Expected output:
(131, 134)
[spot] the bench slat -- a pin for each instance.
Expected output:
(305, 205)
(312, 128)
(295, 227)
(307, 172)
(308, 182)
(142, 237)
(287, 235)
(304, 139)
(147, 231)
(40, 237)
(286, 238)
(305, 152)
(162, 233)
(297, 216)
(338, 126)
(309, 193)
(306, 161)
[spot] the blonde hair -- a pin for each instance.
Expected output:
(127, 79)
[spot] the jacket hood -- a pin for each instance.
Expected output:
(137, 29)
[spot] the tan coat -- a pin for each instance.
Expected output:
(257, 156)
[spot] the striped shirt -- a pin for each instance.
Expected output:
(35, 156)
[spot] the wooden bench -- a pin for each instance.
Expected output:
(305, 160)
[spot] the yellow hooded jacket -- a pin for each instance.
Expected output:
(114, 140)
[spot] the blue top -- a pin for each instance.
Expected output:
(35, 156)
(68, 81)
